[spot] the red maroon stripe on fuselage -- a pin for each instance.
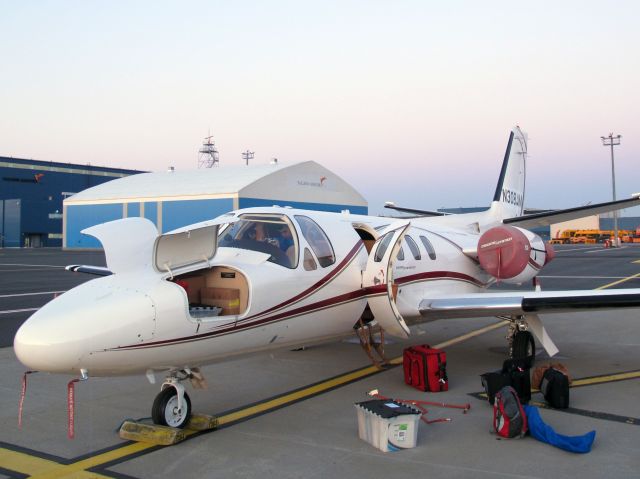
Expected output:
(439, 275)
(316, 287)
(323, 304)
(326, 303)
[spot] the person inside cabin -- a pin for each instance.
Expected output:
(285, 239)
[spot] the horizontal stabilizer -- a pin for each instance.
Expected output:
(414, 211)
(82, 268)
(558, 216)
(530, 302)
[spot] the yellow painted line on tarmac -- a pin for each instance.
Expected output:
(24, 463)
(609, 378)
(619, 281)
(79, 469)
(44, 468)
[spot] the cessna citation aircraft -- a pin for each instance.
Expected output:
(262, 278)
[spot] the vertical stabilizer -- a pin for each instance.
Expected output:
(508, 200)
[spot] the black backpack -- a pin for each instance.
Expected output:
(555, 388)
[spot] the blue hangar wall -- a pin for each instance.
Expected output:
(166, 215)
(31, 195)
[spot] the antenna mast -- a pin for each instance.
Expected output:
(208, 154)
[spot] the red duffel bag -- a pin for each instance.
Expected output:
(425, 368)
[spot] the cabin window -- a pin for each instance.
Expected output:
(413, 247)
(382, 247)
(401, 254)
(270, 234)
(428, 246)
(318, 240)
(308, 262)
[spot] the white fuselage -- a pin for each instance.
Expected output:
(138, 321)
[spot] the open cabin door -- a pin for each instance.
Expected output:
(378, 276)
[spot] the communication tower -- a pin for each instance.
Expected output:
(208, 154)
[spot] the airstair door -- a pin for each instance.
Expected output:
(378, 278)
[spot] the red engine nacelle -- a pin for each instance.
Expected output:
(512, 254)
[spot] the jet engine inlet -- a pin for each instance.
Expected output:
(511, 254)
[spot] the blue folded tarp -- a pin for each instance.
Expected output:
(545, 433)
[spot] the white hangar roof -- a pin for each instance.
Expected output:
(304, 182)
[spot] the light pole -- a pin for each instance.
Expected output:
(613, 141)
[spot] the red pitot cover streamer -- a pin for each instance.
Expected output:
(71, 408)
(23, 393)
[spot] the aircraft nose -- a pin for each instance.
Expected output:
(39, 350)
(64, 334)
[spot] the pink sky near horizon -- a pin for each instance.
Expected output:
(410, 102)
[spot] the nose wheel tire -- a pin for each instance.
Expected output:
(524, 347)
(167, 412)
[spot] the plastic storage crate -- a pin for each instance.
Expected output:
(387, 424)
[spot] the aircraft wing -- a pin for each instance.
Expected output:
(82, 268)
(558, 216)
(527, 302)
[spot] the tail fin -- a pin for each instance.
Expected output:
(508, 200)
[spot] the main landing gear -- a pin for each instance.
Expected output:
(172, 406)
(521, 342)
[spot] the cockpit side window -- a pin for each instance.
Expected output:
(271, 234)
(317, 239)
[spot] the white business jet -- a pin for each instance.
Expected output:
(263, 278)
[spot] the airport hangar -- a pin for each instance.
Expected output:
(31, 196)
(173, 199)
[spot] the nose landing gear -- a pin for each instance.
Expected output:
(172, 406)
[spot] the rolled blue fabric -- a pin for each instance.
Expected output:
(545, 433)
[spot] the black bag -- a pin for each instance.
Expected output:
(555, 388)
(519, 378)
(494, 381)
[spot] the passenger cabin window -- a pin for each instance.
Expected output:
(429, 247)
(413, 247)
(382, 247)
(270, 234)
(318, 240)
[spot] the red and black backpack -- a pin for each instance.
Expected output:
(509, 418)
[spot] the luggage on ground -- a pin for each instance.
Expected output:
(555, 388)
(494, 381)
(509, 419)
(519, 377)
(425, 368)
(514, 373)
(539, 371)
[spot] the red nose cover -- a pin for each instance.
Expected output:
(503, 252)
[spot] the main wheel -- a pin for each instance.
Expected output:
(524, 347)
(167, 412)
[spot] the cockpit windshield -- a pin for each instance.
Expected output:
(271, 234)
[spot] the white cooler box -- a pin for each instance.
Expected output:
(387, 424)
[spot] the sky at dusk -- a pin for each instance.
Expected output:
(408, 101)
